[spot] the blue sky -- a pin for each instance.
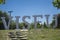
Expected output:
(29, 8)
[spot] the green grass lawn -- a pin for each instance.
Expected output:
(45, 34)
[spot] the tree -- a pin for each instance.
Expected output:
(2, 1)
(21, 25)
(12, 25)
(38, 25)
(52, 23)
(56, 3)
(31, 25)
(45, 26)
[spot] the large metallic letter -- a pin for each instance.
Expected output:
(35, 20)
(4, 22)
(47, 20)
(17, 22)
(55, 21)
(26, 21)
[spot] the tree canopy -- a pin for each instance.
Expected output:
(56, 3)
(2, 1)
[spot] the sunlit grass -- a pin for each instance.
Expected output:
(45, 34)
(35, 34)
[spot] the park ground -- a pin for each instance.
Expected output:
(35, 34)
